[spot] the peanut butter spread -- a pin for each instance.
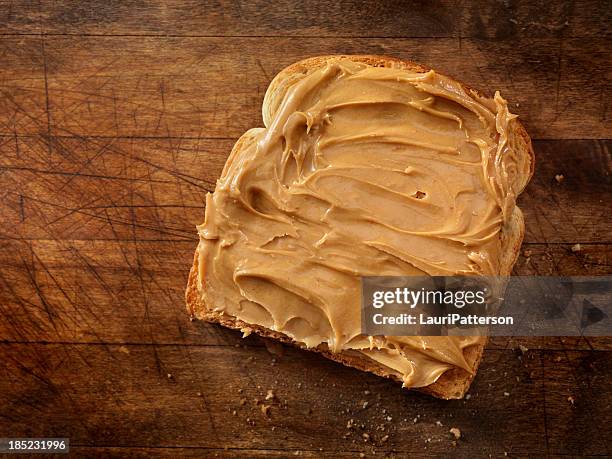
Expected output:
(361, 171)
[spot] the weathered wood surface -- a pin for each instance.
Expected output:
(346, 18)
(179, 86)
(112, 395)
(115, 120)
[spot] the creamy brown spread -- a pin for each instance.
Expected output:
(361, 171)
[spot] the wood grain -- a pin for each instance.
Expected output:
(119, 86)
(109, 188)
(150, 394)
(115, 120)
(22, 86)
(152, 87)
(447, 18)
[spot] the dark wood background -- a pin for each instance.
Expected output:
(115, 120)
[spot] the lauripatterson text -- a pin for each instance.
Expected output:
(449, 319)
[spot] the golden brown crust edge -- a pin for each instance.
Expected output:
(453, 383)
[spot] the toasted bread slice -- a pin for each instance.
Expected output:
(454, 382)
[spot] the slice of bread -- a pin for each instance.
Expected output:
(452, 383)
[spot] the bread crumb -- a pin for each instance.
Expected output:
(576, 248)
(415, 420)
(270, 395)
(240, 391)
(456, 432)
(366, 392)
(199, 394)
(246, 331)
(366, 436)
(242, 401)
(389, 419)
(506, 394)
(571, 399)
(169, 375)
(233, 412)
(124, 349)
(468, 396)
(438, 423)
(384, 439)
(559, 178)
(523, 349)
(265, 409)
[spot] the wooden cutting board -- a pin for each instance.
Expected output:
(116, 120)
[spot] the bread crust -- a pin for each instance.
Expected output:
(452, 384)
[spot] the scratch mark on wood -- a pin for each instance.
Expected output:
(21, 209)
(559, 70)
(263, 71)
(47, 101)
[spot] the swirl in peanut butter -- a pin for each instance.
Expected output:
(361, 171)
